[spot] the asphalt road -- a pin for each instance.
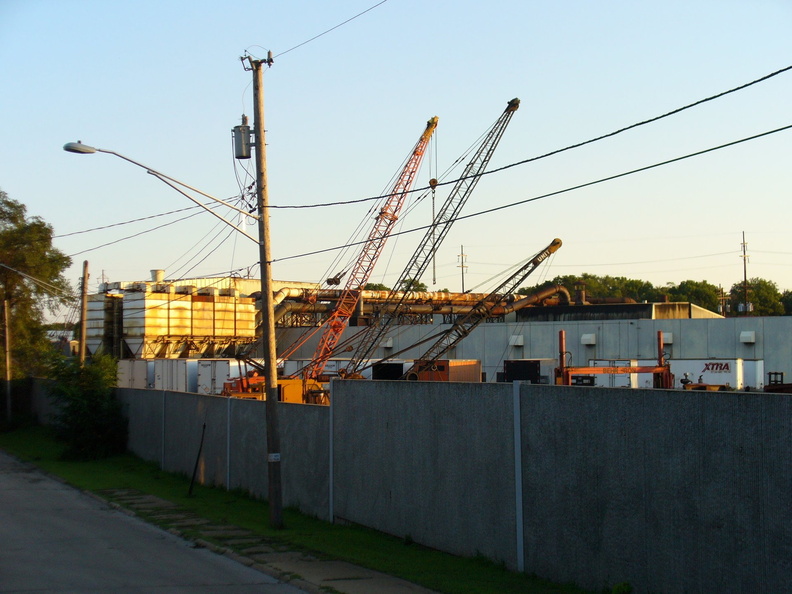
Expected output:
(54, 538)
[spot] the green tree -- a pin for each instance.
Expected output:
(762, 294)
(601, 286)
(409, 284)
(786, 301)
(90, 420)
(31, 281)
(701, 293)
(375, 287)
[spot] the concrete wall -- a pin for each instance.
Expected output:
(434, 462)
(670, 491)
(166, 427)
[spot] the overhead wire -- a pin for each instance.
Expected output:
(555, 152)
(331, 29)
(162, 214)
(563, 191)
(46, 286)
(144, 232)
(424, 189)
(561, 150)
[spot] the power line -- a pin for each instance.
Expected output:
(120, 239)
(646, 261)
(332, 28)
(356, 201)
(47, 287)
(556, 193)
(126, 222)
(567, 148)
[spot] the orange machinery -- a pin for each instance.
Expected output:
(661, 372)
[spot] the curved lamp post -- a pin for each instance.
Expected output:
(85, 149)
(267, 304)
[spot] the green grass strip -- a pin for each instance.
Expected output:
(361, 546)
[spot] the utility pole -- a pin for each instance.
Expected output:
(462, 265)
(7, 325)
(267, 302)
(745, 276)
(83, 312)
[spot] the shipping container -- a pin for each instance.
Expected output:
(447, 370)
(535, 371)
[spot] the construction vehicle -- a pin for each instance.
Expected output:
(370, 338)
(364, 264)
(566, 375)
(388, 213)
(250, 385)
(480, 312)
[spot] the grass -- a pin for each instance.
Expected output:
(402, 558)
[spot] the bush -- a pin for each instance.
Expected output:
(90, 420)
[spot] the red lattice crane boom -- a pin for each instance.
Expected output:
(361, 270)
(369, 338)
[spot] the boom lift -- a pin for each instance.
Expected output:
(364, 264)
(465, 324)
(369, 338)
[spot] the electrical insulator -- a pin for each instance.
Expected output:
(242, 140)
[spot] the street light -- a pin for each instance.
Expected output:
(267, 302)
(85, 149)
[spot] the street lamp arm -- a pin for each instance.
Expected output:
(84, 149)
(166, 180)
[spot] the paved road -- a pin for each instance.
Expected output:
(57, 539)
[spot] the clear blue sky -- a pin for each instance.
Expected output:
(161, 82)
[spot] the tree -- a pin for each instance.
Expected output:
(762, 294)
(786, 301)
(90, 419)
(31, 281)
(409, 284)
(701, 293)
(375, 287)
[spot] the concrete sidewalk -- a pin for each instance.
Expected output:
(57, 538)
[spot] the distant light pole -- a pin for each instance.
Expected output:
(83, 312)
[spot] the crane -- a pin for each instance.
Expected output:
(369, 338)
(466, 323)
(364, 263)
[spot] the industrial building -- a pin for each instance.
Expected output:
(216, 318)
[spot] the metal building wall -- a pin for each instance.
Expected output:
(615, 339)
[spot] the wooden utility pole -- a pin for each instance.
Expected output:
(7, 325)
(745, 275)
(267, 301)
(83, 312)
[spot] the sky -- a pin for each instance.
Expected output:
(162, 83)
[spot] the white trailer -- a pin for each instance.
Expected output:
(136, 373)
(739, 374)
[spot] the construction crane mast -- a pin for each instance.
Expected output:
(364, 264)
(369, 338)
(465, 324)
